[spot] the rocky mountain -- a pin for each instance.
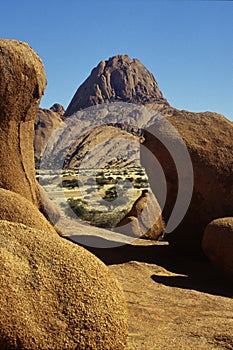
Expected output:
(112, 120)
(95, 144)
(63, 297)
(118, 79)
(180, 150)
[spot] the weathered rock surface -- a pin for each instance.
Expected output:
(118, 79)
(100, 146)
(22, 83)
(208, 137)
(174, 302)
(56, 295)
(217, 244)
(144, 218)
(16, 208)
(169, 309)
(47, 120)
(121, 122)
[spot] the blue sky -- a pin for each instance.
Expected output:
(187, 45)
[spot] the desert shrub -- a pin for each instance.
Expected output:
(78, 207)
(96, 217)
(110, 194)
(141, 182)
(101, 181)
(70, 183)
(137, 186)
(109, 220)
(139, 179)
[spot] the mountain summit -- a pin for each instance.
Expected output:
(118, 79)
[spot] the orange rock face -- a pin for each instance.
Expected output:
(144, 219)
(56, 295)
(217, 244)
(208, 137)
(22, 83)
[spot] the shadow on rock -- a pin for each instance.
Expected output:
(213, 284)
(199, 274)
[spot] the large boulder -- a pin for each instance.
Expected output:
(144, 219)
(56, 295)
(208, 137)
(22, 83)
(16, 208)
(217, 244)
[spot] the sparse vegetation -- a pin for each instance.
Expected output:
(70, 183)
(105, 199)
(110, 194)
(96, 217)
